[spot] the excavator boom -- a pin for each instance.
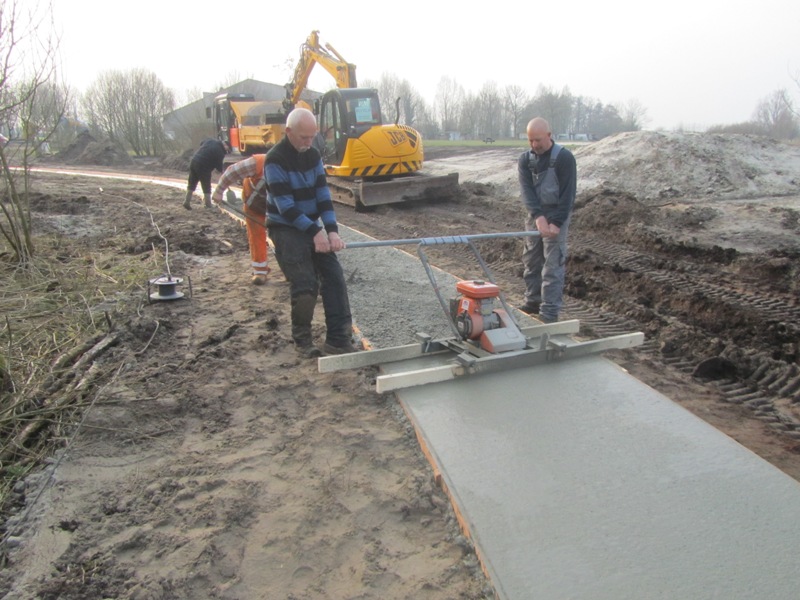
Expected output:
(312, 53)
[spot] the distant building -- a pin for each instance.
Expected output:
(188, 125)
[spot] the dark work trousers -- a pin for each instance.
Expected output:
(201, 175)
(315, 273)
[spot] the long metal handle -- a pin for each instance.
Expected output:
(434, 241)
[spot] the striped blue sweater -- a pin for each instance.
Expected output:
(298, 191)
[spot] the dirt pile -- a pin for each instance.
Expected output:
(694, 189)
(658, 166)
(179, 162)
(72, 152)
(86, 150)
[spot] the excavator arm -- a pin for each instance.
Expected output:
(312, 53)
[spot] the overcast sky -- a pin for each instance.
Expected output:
(691, 64)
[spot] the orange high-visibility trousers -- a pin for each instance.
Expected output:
(255, 210)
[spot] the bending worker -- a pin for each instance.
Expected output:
(208, 157)
(249, 173)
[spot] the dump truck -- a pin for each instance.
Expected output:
(250, 126)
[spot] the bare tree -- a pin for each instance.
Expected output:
(554, 106)
(603, 120)
(101, 105)
(189, 96)
(128, 107)
(490, 106)
(449, 102)
(776, 115)
(634, 115)
(515, 98)
(31, 106)
(399, 100)
(426, 122)
(581, 108)
(410, 102)
(795, 77)
(42, 114)
(469, 117)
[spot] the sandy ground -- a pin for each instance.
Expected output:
(213, 463)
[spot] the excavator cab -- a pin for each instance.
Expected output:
(345, 114)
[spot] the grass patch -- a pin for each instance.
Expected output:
(58, 317)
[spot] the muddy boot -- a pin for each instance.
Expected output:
(207, 201)
(330, 349)
(187, 204)
(302, 314)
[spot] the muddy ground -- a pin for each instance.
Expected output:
(213, 463)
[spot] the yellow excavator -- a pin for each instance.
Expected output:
(368, 162)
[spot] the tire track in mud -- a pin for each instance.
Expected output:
(768, 387)
(684, 279)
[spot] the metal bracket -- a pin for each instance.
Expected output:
(465, 359)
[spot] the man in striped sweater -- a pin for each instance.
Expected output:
(304, 232)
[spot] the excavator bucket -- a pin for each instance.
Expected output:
(417, 187)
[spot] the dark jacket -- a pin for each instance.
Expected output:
(209, 156)
(531, 170)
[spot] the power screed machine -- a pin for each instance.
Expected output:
(486, 336)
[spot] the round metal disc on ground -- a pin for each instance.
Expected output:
(166, 288)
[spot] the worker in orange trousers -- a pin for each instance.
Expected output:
(249, 173)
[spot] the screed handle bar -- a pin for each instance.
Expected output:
(435, 241)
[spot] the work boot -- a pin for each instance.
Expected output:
(308, 350)
(259, 279)
(530, 308)
(348, 348)
(207, 201)
(187, 204)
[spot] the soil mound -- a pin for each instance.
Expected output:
(73, 152)
(658, 166)
(106, 153)
(178, 162)
(86, 150)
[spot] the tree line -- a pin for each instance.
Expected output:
(128, 107)
(503, 113)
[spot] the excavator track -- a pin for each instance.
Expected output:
(363, 195)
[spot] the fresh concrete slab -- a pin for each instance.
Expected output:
(574, 479)
(577, 481)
